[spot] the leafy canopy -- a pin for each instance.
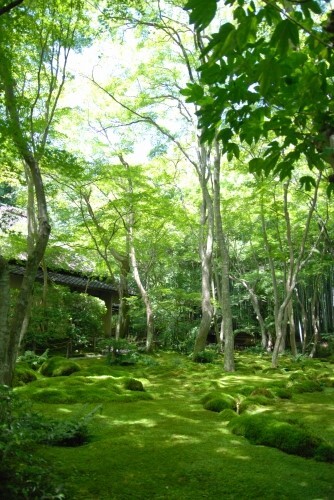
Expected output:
(267, 75)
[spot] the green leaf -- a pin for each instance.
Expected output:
(222, 42)
(201, 13)
(246, 32)
(330, 190)
(193, 92)
(256, 165)
(307, 182)
(213, 73)
(270, 73)
(284, 169)
(285, 35)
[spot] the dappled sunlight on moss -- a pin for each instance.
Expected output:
(170, 447)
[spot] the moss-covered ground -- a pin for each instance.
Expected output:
(161, 443)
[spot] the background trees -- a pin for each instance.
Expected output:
(209, 199)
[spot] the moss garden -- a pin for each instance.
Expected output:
(168, 428)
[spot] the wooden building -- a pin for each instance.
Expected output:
(76, 283)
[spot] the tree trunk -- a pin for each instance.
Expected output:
(224, 260)
(4, 327)
(144, 296)
(205, 251)
(36, 251)
(123, 320)
(293, 344)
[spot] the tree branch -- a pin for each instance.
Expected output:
(10, 6)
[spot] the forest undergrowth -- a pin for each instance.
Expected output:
(169, 428)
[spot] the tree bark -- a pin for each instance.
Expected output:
(37, 249)
(205, 251)
(4, 326)
(224, 261)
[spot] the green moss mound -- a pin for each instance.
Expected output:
(282, 393)
(266, 430)
(59, 367)
(253, 402)
(132, 384)
(227, 415)
(71, 390)
(325, 453)
(263, 391)
(218, 402)
(306, 386)
(23, 375)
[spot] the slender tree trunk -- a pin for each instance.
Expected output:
(123, 320)
(224, 261)
(145, 297)
(4, 316)
(37, 250)
(136, 274)
(256, 306)
(293, 344)
(205, 250)
(315, 320)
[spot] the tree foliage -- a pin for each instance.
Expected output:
(267, 75)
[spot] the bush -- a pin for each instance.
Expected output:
(131, 384)
(287, 437)
(120, 351)
(206, 356)
(58, 366)
(71, 432)
(22, 475)
(34, 361)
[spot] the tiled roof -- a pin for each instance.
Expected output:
(65, 278)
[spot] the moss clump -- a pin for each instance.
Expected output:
(263, 391)
(59, 367)
(246, 390)
(23, 375)
(266, 430)
(253, 402)
(306, 386)
(283, 393)
(324, 453)
(132, 384)
(218, 403)
(227, 415)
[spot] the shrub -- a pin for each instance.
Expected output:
(131, 384)
(22, 474)
(33, 360)
(206, 356)
(120, 351)
(58, 366)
